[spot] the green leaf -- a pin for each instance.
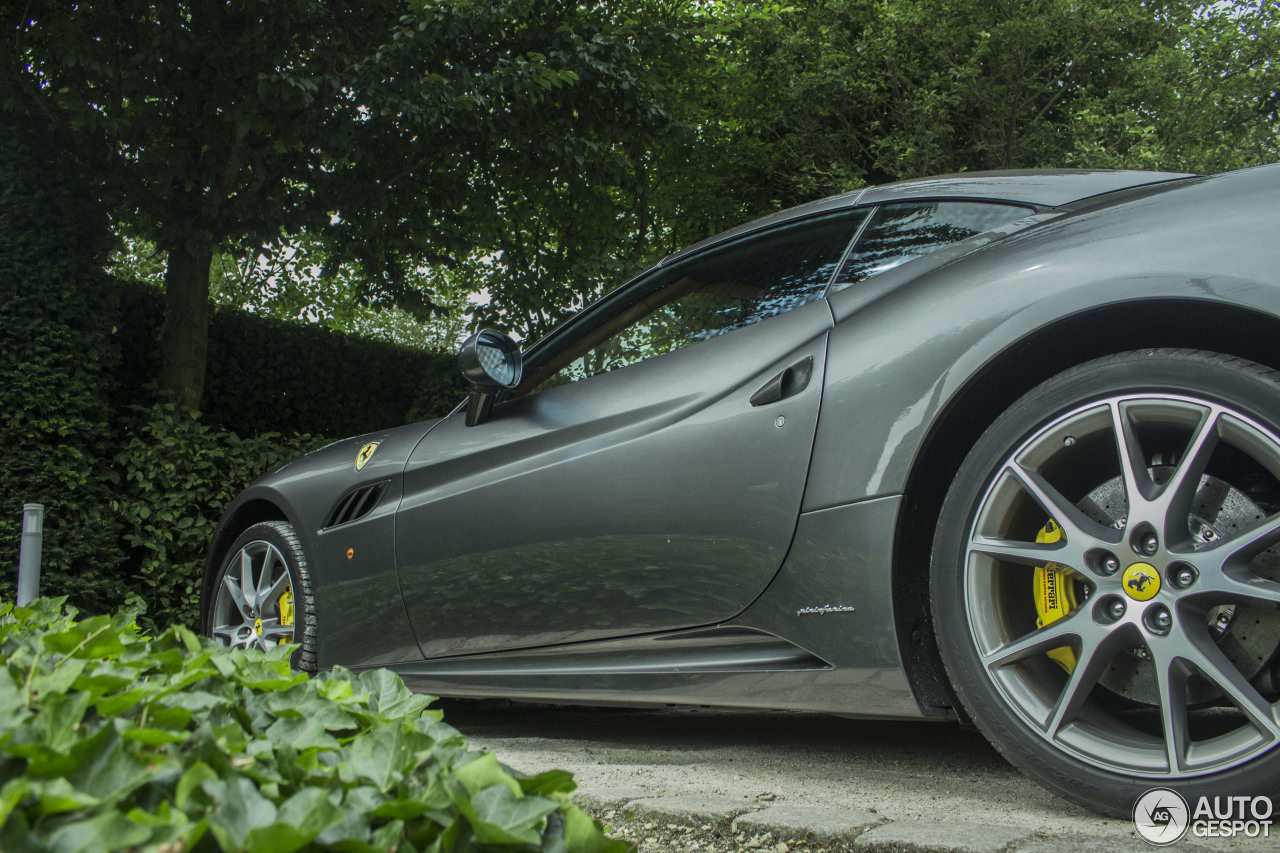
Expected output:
(377, 756)
(192, 780)
(557, 784)
(13, 699)
(311, 811)
(106, 831)
(498, 806)
(59, 679)
(154, 737)
(301, 733)
(92, 638)
(112, 706)
(11, 795)
(238, 809)
(583, 834)
(103, 768)
(388, 695)
(482, 772)
(57, 795)
(170, 764)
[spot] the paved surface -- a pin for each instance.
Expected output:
(715, 781)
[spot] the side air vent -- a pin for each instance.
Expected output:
(357, 504)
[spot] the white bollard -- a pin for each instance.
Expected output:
(29, 552)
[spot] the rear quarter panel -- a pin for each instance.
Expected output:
(907, 342)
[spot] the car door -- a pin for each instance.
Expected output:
(647, 473)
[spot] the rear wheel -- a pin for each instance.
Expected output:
(262, 596)
(1106, 579)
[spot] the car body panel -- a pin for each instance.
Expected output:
(357, 598)
(907, 342)
(653, 497)
(839, 657)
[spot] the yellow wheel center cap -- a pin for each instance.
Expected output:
(257, 627)
(1141, 581)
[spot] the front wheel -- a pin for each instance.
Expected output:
(262, 595)
(1106, 580)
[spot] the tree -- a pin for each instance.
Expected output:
(380, 127)
(853, 91)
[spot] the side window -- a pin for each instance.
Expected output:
(903, 232)
(701, 297)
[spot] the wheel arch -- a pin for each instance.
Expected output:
(1015, 370)
(238, 519)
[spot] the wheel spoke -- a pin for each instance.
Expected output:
(272, 629)
(1138, 485)
(269, 562)
(1051, 636)
(1097, 649)
(247, 591)
(1239, 550)
(1079, 531)
(1179, 493)
(1023, 553)
(1203, 655)
(1171, 684)
(233, 589)
(272, 594)
(1240, 584)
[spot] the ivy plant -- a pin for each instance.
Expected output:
(114, 740)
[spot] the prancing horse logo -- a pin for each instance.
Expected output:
(1139, 582)
(365, 454)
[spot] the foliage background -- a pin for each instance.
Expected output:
(450, 164)
(132, 486)
(58, 359)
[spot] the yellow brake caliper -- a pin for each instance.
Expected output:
(286, 606)
(1055, 595)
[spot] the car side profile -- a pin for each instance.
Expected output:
(1001, 448)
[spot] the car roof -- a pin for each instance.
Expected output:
(1040, 187)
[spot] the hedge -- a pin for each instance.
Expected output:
(269, 375)
(131, 487)
(58, 359)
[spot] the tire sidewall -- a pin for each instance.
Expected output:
(1243, 386)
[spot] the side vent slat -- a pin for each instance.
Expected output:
(356, 505)
(369, 502)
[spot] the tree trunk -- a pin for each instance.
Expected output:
(184, 337)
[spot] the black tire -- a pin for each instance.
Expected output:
(1170, 674)
(249, 612)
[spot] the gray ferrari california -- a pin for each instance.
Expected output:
(998, 448)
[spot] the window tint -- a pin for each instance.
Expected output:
(701, 297)
(903, 232)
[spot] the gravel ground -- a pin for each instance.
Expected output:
(856, 785)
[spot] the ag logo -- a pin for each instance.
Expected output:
(1161, 816)
(1141, 582)
(365, 454)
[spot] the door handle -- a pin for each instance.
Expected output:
(786, 384)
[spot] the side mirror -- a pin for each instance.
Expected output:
(491, 362)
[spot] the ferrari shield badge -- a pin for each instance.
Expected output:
(365, 454)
